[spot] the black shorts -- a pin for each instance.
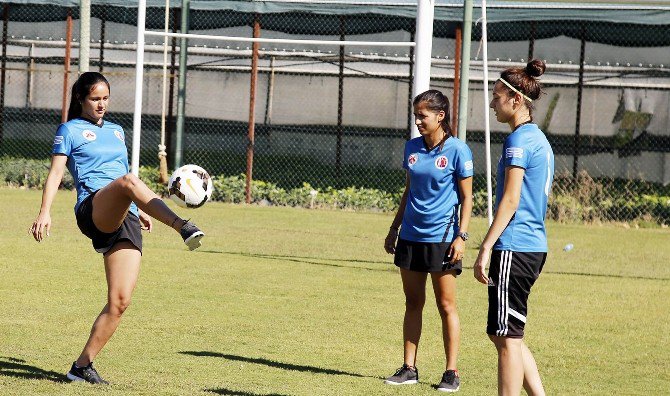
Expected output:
(511, 275)
(130, 229)
(425, 257)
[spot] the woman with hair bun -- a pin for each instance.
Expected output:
(516, 242)
(433, 219)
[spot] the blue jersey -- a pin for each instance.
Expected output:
(431, 214)
(527, 148)
(96, 155)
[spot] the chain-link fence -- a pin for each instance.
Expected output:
(337, 116)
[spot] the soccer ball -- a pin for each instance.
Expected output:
(190, 186)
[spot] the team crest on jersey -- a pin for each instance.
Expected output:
(441, 162)
(89, 135)
(119, 135)
(412, 159)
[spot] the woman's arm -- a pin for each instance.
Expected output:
(506, 209)
(465, 197)
(389, 242)
(41, 225)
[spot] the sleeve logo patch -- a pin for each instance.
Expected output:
(469, 165)
(119, 135)
(411, 160)
(89, 135)
(58, 140)
(514, 152)
(441, 162)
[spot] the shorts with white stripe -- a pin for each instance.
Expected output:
(511, 275)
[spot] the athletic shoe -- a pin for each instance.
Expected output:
(191, 235)
(86, 374)
(405, 375)
(451, 382)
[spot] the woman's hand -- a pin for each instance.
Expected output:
(41, 226)
(480, 265)
(145, 221)
(389, 242)
(456, 250)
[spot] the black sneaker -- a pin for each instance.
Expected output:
(191, 235)
(405, 375)
(87, 374)
(451, 382)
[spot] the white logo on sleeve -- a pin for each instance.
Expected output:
(89, 135)
(468, 165)
(58, 140)
(514, 152)
(119, 135)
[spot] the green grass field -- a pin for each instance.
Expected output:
(284, 301)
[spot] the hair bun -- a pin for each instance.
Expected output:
(535, 68)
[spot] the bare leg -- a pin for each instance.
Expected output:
(111, 203)
(414, 286)
(510, 365)
(444, 285)
(122, 267)
(532, 382)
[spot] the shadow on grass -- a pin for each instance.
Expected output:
(224, 391)
(12, 367)
(388, 266)
(271, 363)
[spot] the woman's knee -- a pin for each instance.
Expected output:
(446, 306)
(129, 181)
(414, 302)
(119, 303)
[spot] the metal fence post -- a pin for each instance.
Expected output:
(465, 71)
(457, 80)
(340, 102)
(66, 67)
(5, 19)
(580, 89)
(252, 108)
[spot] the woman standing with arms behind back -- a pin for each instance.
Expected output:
(106, 210)
(433, 234)
(516, 241)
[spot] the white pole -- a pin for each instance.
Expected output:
(336, 43)
(161, 146)
(423, 49)
(487, 127)
(139, 78)
(84, 35)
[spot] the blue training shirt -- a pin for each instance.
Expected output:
(431, 214)
(96, 155)
(528, 148)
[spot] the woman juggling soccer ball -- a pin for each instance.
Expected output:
(516, 242)
(433, 220)
(112, 206)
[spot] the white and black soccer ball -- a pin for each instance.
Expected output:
(190, 186)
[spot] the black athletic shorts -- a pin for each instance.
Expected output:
(511, 275)
(425, 257)
(130, 229)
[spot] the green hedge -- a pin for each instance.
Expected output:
(582, 200)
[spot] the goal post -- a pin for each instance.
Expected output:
(421, 82)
